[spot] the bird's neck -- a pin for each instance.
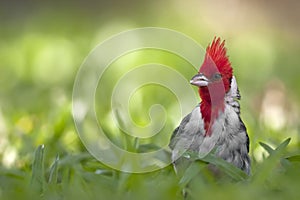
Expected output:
(212, 104)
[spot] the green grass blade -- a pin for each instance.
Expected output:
(294, 158)
(37, 179)
(269, 149)
(283, 145)
(231, 170)
(189, 174)
(265, 169)
(54, 171)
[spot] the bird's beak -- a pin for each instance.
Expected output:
(199, 80)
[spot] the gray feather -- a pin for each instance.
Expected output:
(229, 134)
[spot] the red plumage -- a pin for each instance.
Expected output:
(215, 61)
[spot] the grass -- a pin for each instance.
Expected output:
(80, 176)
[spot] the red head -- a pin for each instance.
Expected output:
(213, 80)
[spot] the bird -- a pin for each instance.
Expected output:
(215, 123)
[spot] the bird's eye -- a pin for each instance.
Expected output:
(217, 76)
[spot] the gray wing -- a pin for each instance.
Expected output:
(178, 131)
(188, 135)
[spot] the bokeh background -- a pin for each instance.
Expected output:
(43, 43)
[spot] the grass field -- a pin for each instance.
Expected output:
(42, 46)
(80, 176)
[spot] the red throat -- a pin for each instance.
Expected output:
(215, 61)
(209, 108)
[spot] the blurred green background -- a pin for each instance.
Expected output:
(43, 43)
